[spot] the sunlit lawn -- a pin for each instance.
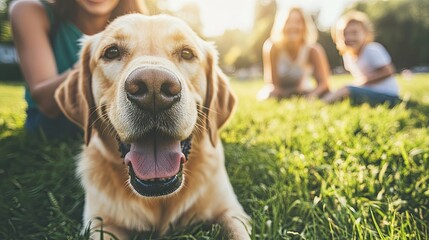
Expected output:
(301, 169)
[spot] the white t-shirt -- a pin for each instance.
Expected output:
(372, 57)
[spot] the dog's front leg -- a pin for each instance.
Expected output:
(107, 231)
(236, 226)
(98, 224)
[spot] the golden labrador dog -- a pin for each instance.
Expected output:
(151, 87)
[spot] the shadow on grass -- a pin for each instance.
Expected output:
(418, 107)
(420, 113)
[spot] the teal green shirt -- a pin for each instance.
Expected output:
(65, 45)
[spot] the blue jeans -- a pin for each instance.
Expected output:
(51, 128)
(360, 95)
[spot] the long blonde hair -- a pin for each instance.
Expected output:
(277, 32)
(337, 31)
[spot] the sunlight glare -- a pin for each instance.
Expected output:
(329, 10)
(220, 15)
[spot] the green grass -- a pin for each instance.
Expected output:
(301, 169)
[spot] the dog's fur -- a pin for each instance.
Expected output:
(93, 97)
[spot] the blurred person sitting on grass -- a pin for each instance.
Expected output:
(291, 55)
(46, 35)
(368, 62)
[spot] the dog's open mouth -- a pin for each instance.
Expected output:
(155, 164)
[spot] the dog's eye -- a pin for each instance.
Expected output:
(187, 54)
(111, 53)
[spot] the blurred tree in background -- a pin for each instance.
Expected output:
(402, 26)
(5, 31)
(243, 50)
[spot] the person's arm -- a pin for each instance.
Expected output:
(269, 58)
(379, 64)
(266, 59)
(30, 27)
(321, 73)
(378, 74)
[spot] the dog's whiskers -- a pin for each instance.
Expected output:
(95, 112)
(205, 117)
(204, 108)
(199, 125)
(102, 116)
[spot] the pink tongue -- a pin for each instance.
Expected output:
(155, 157)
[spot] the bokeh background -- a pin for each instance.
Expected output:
(239, 28)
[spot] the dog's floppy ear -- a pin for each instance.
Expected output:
(74, 95)
(220, 100)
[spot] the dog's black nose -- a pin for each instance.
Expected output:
(153, 89)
